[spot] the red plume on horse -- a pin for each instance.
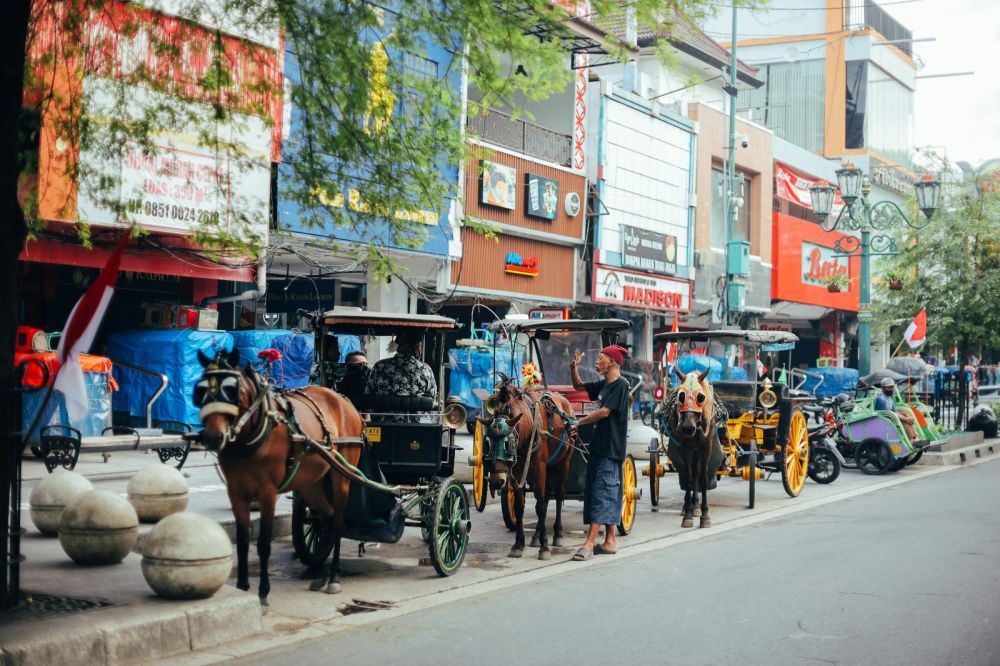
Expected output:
(250, 426)
(690, 415)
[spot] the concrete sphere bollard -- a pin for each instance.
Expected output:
(156, 491)
(51, 495)
(186, 556)
(98, 527)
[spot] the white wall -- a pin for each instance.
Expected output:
(780, 18)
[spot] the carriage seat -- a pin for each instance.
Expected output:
(397, 404)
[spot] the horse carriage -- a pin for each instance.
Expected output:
(521, 443)
(759, 425)
(363, 471)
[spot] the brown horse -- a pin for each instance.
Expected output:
(544, 450)
(691, 420)
(248, 424)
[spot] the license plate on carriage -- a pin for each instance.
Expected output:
(374, 434)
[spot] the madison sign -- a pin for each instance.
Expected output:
(651, 251)
(630, 289)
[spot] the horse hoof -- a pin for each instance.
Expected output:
(243, 586)
(687, 522)
(705, 522)
(333, 588)
(557, 541)
(317, 584)
(515, 552)
(545, 554)
(697, 513)
(534, 542)
(263, 602)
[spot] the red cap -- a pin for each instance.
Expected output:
(615, 352)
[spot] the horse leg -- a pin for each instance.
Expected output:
(334, 587)
(266, 502)
(687, 520)
(517, 550)
(557, 530)
(541, 510)
(706, 520)
(689, 479)
(241, 512)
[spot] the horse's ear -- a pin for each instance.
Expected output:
(680, 375)
(204, 360)
(513, 422)
(234, 358)
(702, 375)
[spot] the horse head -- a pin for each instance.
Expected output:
(222, 394)
(507, 412)
(693, 406)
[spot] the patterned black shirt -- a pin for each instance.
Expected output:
(402, 375)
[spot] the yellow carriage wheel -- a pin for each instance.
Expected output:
(796, 458)
(508, 504)
(629, 496)
(478, 470)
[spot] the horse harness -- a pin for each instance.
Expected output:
(500, 430)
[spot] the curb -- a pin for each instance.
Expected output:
(122, 636)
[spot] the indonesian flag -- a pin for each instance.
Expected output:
(671, 351)
(916, 332)
(78, 335)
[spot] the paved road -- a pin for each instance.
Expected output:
(906, 575)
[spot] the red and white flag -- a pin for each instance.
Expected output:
(78, 335)
(671, 351)
(916, 332)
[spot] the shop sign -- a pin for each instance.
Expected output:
(515, 264)
(651, 251)
(498, 185)
(549, 313)
(765, 326)
(542, 197)
(640, 290)
(819, 263)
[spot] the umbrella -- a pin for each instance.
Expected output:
(907, 365)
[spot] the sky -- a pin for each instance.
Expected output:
(957, 116)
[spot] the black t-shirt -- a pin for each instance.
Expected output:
(610, 433)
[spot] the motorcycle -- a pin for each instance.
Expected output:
(825, 459)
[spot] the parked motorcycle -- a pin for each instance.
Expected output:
(825, 459)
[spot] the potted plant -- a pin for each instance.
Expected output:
(894, 280)
(838, 282)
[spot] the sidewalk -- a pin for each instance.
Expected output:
(126, 623)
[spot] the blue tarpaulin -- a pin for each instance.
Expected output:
(173, 353)
(292, 371)
(835, 381)
(473, 368)
(98, 416)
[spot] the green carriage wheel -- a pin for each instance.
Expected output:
(450, 528)
(312, 533)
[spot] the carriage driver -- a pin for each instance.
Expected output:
(884, 403)
(403, 374)
(602, 493)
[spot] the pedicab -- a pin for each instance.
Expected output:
(549, 344)
(409, 452)
(876, 440)
(763, 429)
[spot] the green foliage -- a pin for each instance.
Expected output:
(839, 280)
(951, 268)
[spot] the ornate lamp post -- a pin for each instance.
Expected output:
(872, 220)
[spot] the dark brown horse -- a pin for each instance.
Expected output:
(691, 420)
(248, 424)
(544, 450)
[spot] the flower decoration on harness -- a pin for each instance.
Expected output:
(270, 355)
(532, 376)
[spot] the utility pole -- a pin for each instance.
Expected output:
(737, 252)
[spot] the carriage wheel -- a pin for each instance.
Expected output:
(752, 479)
(824, 466)
(912, 460)
(312, 533)
(508, 505)
(873, 457)
(478, 470)
(629, 496)
(795, 461)
(450, 528)
(654, 477)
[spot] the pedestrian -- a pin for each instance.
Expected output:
(603, 490)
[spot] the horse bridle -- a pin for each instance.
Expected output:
(219, 393)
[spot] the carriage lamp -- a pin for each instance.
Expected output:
(873, 221)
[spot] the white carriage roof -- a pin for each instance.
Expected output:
(730, 337)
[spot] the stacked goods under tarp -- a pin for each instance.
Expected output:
(173, 353)
(835, 381)
(292, 371)
(472, 368)
(97, 374)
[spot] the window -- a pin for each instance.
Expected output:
(879, 112)
(741, 230)
(790, 102)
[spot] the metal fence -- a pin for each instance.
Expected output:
(951, 401)
(502, 129)
(860, 14)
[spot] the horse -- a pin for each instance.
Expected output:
(690, 417)
(259, 435)
(537, 422)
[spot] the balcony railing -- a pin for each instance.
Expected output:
(503, 130)
(860, 14)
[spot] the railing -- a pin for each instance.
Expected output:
(503, 130)
(860, 14)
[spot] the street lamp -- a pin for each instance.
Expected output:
(859, 215)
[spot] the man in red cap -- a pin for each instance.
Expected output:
(603, 493)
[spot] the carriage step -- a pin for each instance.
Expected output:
(959, 456)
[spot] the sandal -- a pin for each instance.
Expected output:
(599, 549)
(582, 555)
